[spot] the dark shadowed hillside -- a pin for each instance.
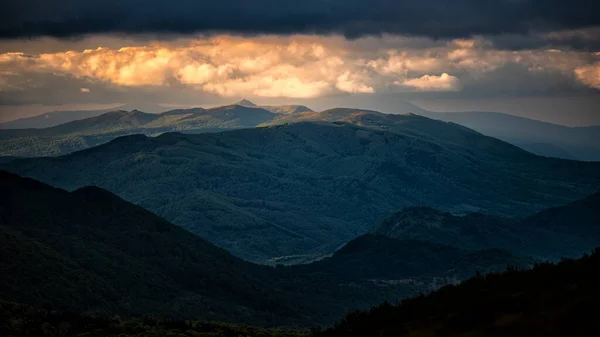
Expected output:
(553, 233)
(307, 188)
(26, 321)
(91, 252)
(550, 300)
(380, 258)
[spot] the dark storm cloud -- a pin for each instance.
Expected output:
(352, 18)
(584, 40)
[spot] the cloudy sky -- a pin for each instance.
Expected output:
(539, 59)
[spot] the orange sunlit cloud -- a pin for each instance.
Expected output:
(296, 66)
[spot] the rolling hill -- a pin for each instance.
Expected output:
(386, 260)
(51, 119)
(91, 252)
(564, 231)
(81, 134)
(307, 188)
(449, 135)
(54, 118)
(278, 109)
(37, 136)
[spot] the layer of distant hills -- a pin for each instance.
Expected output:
(63, 132)
(545, 139)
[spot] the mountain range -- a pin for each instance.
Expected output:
(281, 216)
(305, 188)
(546, 139)
(46, 136)
(101, 128)
(81, 134)
(54, 118)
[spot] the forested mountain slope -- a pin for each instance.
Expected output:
(550, 300)
(563, 231)
(92, 252)
(307, 188)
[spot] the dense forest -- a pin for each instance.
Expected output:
(25, 321)
(548, 300)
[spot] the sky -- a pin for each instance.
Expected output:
(538, 59)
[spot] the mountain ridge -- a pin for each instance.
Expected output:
(540, 137)
(563, 231)
(240, 188)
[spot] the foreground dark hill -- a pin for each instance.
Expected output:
(539, 137)
(550, 300)
(310, 187)
(26, 321)
(92, 252)
(553, 233)
(386, 260)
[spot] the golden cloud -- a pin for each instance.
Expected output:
(444, 82)
(297, 66)
(589, 75)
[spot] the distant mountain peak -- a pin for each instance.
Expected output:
(246, 103)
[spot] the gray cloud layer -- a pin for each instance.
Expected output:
(352, 18)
